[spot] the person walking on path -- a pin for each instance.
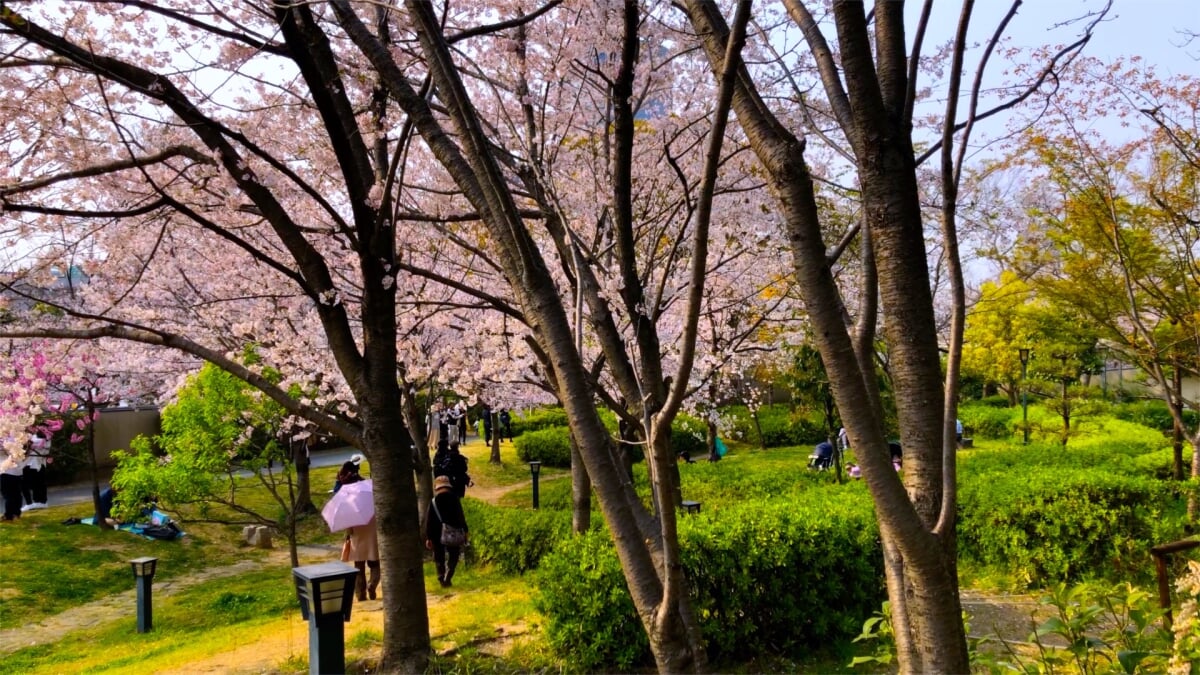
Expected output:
(446, 508)
(505, 425)
(364, 551)
(11, 469)
(486, 414)
(451, 463)
(33, 478)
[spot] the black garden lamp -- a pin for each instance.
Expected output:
(326, 592)
(535, 468)
(143, 572)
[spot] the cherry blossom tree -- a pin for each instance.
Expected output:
(59, 389)
(266, 198)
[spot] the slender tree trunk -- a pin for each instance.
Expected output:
(495, 421)
(762, 443)
(303, 463)
(581, 492)
(921, 579)
(419, 446)
(93, 466)
(1193, 504)
(1176, 402)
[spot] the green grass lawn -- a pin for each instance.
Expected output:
(49, 567)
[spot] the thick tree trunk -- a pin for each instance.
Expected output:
(401, 544)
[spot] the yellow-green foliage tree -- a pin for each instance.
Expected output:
(1009, 316)
(1114, 234)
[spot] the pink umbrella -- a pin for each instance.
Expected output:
(351, 506)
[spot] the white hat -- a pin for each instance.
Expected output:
(357, 458)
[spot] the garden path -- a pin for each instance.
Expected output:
(103, 610)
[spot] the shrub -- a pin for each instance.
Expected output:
(780, 427)
(689, 434)
(537, 419)
(985, 421)
(589, 614)
(1115, 445)
(1153, 414)
(997, 401)
(68, 458)
(1048, 524)
(514, 540)
(810, 569)
(550, 446)
(1161, 464)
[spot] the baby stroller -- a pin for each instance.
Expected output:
(822, 457)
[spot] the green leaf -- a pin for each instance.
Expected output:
(1130, 660)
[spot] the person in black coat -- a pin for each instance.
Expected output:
(505, 429)
(451, 463)
(445, 508)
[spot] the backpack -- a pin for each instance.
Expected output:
(167, 530)
(441, 464)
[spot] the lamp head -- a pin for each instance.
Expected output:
(144, 567)
(535, 467)
(1024, 352)
(325, 590)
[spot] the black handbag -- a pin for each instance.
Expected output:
(454, 537)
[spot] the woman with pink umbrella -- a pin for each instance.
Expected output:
(352, 509)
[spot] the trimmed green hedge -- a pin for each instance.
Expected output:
(1046, 524)
(537, 419)
(766, 577)
(1153, 414)
(987, 421)
(513, 539)
(550, 446)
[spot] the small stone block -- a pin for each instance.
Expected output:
(262, 537)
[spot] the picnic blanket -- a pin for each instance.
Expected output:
(159, 526)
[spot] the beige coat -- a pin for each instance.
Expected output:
(364, 543)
